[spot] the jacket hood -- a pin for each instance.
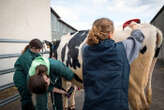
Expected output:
(39, 61)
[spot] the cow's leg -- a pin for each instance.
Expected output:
(145, 105)
(65, 99)
(72, 98)
(138, 100)
(66, 86)
(149, 88)
(143, 97)
(146, 84)
(146, 77)
(134, 94)
(134, 99)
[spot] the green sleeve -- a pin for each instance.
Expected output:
(19, 76)
(20, 79)
(61, 69)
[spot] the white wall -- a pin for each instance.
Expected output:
(25, 19)
(21, 20)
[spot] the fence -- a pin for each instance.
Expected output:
(10, 70)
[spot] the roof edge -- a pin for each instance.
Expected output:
(60, 20)
(157, 14)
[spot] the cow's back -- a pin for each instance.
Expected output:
(69, 50)
(143, 62)
(138, 64)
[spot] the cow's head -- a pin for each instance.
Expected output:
(53, 47)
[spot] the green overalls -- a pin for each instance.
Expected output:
(22, 66)
(56, 70)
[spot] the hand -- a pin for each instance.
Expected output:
(60, 91)
(63, 92)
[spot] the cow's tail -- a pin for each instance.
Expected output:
(160, 37)
(159, 40)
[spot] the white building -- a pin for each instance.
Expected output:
(58, 26)
(158, 22)
(21, 21)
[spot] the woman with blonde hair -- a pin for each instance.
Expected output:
(106, 66)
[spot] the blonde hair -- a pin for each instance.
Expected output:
(101, 29)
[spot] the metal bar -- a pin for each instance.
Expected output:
(6, 86)
(9, 99)
(13, 41)
(7, 71)
(2, 56)
(46, 52)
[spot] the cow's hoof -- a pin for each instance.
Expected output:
(66, 108)
(72, 107)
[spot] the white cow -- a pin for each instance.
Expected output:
(69, 52)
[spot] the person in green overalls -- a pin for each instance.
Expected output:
(22, 65)
(45, 76)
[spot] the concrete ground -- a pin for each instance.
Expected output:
(157, 87)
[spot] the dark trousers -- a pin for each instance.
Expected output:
(57, 101)
(41, 101)
(26, 101)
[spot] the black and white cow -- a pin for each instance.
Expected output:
(69, 52)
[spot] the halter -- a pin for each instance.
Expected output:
(129, 21)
